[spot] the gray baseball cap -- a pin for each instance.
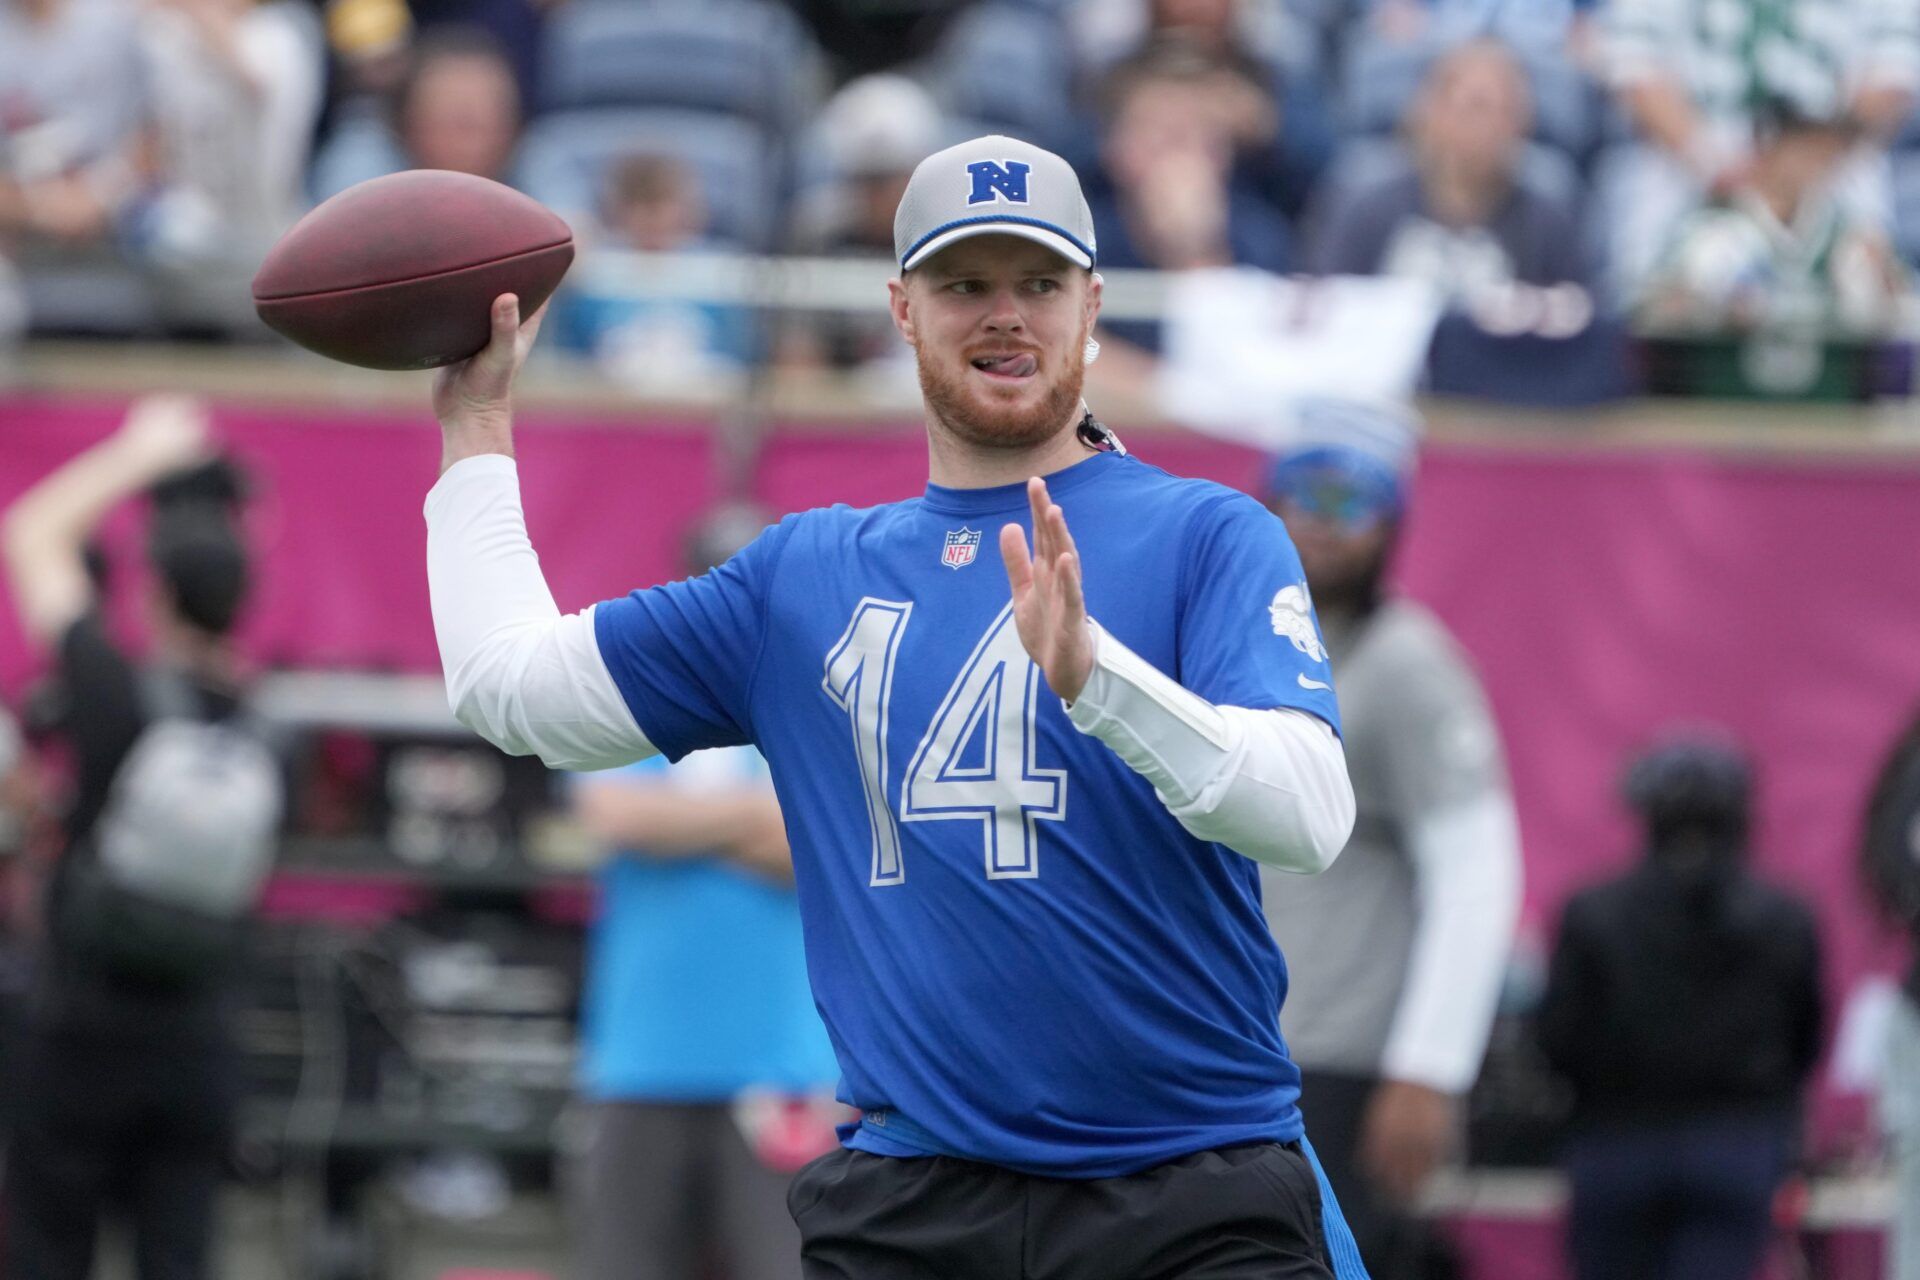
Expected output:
(993, 186)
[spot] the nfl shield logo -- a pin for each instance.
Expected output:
(962, 546)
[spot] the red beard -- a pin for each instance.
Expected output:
(979, 422)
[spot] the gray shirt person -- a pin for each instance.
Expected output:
(1364, 996)
(1397, 955)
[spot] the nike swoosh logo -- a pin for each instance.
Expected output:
(1311, 684)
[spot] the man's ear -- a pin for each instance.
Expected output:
(897, 303)
(1094, 287)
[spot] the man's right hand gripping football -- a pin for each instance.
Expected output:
(474, 399)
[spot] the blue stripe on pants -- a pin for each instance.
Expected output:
(1345, 1253)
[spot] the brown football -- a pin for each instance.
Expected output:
(401, 272)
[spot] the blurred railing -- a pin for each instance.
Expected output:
(799, 400)
(267, 372)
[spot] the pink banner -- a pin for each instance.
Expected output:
(344, 579)
(1602, 594)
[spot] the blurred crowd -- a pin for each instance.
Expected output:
(1693, 196)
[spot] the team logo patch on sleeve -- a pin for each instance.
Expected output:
(1292, 614)
(962, 546)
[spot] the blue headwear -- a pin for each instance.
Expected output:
(1349, 463)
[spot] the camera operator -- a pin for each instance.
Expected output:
(129, 1077)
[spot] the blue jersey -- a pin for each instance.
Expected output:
(1020, 956)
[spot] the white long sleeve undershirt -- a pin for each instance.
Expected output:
(1270, 784)
(1467, 873)
(522, 675)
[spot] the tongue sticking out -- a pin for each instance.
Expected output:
(1014, 366)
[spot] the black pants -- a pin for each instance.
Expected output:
(1396, 1245)
(1239, 1212)
(106, 1125)
(1687, 1200)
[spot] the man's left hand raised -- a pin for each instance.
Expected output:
(1048, 607)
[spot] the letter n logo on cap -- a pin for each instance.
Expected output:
(995, 181)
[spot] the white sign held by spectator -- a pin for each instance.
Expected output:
(1243, 348)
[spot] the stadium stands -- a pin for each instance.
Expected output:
(734, 88)
(566, 154)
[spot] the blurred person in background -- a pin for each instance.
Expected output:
(1890, 854)
(1781, 251)
(1490, 220)
(1689, 73)
(1457, 208)
(457, 107)
(1165, 195)
(871, 133)
(1395, 953)
(72, 104)
(235, 87)
(514, 27)
(1683, 1004)
(661, 346)
(709, 1074)
(1282, 154)
(130, 1076)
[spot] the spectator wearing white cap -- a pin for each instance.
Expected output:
(870, 135)
(1397, 952)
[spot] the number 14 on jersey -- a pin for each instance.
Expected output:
(990, 703)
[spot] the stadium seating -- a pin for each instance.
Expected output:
(565, 155)
(746, 58)
(1006, 66)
